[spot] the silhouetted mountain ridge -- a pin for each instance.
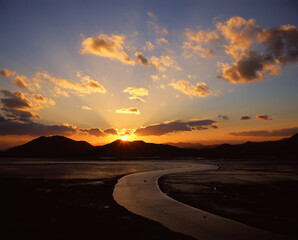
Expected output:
(63, 147)
(54, 146)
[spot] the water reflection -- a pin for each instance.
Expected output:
(77, 169)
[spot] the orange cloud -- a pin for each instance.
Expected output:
(39, 98)
(136, 91)
(196, 42)
(87, 85)
(263, 117)
(284, 132)
(107, 46)
(6, 72)
(20, 81)
(132, 110)
(86, 108)
(200, 90)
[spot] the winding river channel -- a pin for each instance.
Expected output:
(140, 194)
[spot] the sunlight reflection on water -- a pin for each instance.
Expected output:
(76, 169)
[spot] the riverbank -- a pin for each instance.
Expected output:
(71, 209)
(252, 193)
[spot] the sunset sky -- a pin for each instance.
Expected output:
(158, 71)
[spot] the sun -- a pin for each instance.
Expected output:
(124, 138)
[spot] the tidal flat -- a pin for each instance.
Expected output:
(56, 200)
(262, 195)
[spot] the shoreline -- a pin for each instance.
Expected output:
(225, 200)
(71, 209)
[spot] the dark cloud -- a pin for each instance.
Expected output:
(263, 117)
(17, 106)
(93, 131)
(280, 46)
(245, 118)
(10, 127)
(141, 59)
(174, 126)
(111, 131)
(223, 117)
(265, 133)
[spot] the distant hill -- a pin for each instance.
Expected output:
(284, 148)
(187, 145)
(63, 147)
(55, 146)
(121, 148)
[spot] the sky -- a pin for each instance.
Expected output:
(157, 71)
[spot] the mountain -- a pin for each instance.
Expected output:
(122, 149)
(62, 147)
(284, 148)
(52, 147)
(187, 145)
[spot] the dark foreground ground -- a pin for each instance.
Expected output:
(260, 195)
(70, 209)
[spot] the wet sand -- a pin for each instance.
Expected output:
(258, 194)
(140, 194)
(46, 199)
(70, 209)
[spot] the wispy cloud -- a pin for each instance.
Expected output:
(284, 132)
(132, 110)
(200, 90)
(86, 108)
(175, 126)
(86, 86)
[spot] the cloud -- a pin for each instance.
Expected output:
(17, 100)
(284, 132)
(195, 42)
(280, 48)
(136, 91)
(11, 127)
(86, 108)
(111, 131)
(174, 126)
(245, 118)
(93, 131)
(107, 46)
(6, 72)
(59, 92)
(136, 98)
(255, 52)
(132, 110)
(162, 41)
(20, 81)
(87, 85)
(39, 98)
(141, 59)
(263, 117)
(200, 90)
(154, 78)
(223, 117)
(149, 46)
(162, 62)
(17, 106)
(153, 25)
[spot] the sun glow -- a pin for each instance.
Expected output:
(124, 138)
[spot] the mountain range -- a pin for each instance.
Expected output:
(63, 147)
